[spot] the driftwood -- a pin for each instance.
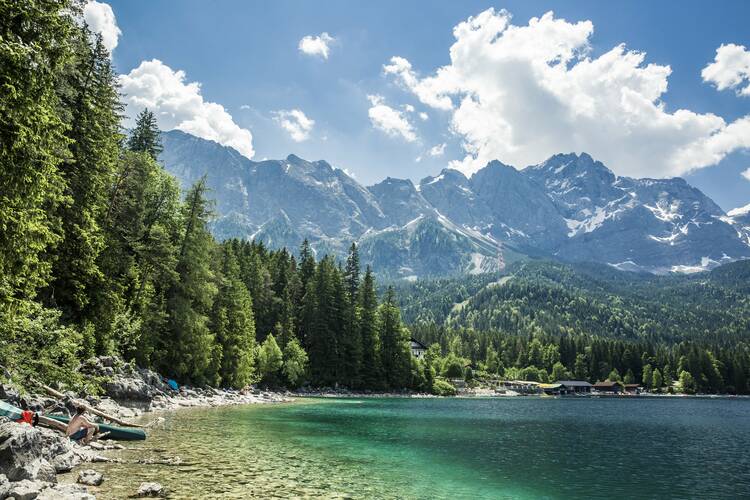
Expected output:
(91, 409)
(52, 423)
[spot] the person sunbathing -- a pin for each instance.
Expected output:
(80, 429)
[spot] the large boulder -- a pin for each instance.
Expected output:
(125, 388)
(34, 453)
(26, 489)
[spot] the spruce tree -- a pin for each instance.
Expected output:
(323, 336)
(146, 137)
(351, 340)
(371, 371)
(90, 100)
(395, 355)
(188, 350)
(233, 324)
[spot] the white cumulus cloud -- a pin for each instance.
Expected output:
(730, 69)
(178, 104)
(101, 19)
(521, 93)
(296, 123)
(746, 174)
(438, 150)
(316, 45)
(424, 116)
(391, 121)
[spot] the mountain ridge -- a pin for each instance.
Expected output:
(570, 207)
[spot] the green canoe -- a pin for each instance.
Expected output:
(118, 433)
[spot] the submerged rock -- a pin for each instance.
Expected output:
(90, 477)
(66, 492)
(150, 490)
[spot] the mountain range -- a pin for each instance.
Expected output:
(569, 208)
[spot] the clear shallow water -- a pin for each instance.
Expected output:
(450, 448)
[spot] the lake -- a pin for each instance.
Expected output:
(449, 448)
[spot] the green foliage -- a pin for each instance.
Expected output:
(443, 388)
(36, 346)
(687, 383)
(233, 324)
(34, 49)
(559, 372)
(295, 363)
(270, 360)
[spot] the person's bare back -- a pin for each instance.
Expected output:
(80, 428)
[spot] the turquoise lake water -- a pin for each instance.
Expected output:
(450, 448)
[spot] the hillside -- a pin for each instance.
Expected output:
(554, 298)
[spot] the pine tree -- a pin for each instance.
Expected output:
(90, 100)
(351, 340)
(188, 350)
(368, 303)
(323, 338)
(233, 324)
(146, 137)
(395, 355)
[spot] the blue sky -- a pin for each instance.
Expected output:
(246, 57)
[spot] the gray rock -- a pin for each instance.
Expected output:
(90, 477)
(4, 486)
(26, 489)
(33, 453)
(66, 492)
(36, 470)
(65, 462)
(150, 490)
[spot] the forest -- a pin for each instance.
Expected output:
(102, 254)
(547, 321)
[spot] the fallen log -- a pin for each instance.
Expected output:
(49, 390)
(52, 423)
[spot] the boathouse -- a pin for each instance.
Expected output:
(632, 388)
(608, 386)
(574, 386)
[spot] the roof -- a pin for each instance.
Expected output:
(419, 344)
(550, 386)
(606, 383)
(573, 383)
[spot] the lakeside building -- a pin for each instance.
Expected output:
(417, 348)
(574, 387)
(566, 387)
(633, 388)
(608, 386)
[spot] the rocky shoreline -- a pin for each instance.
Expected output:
(32, 457)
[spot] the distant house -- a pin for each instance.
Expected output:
(632, 388)
(608, 386)
(417, 348)
(574, 386)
